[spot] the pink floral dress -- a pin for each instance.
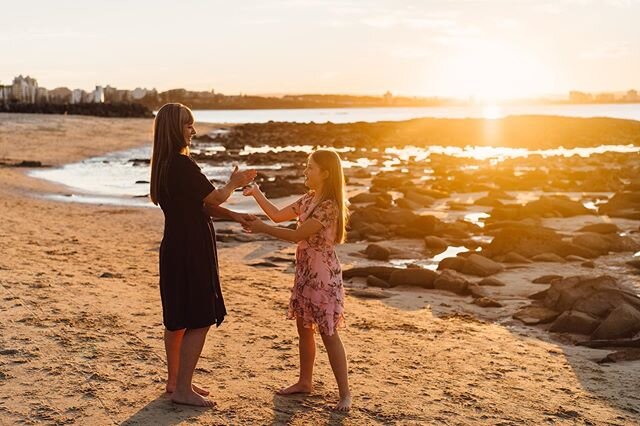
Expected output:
(317, 296)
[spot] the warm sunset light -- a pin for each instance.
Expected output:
(320, 212)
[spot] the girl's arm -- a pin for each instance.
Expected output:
(275, 214)
(237, 179)
(306, 229)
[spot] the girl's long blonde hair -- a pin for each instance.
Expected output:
(333, 187)
(168, 139)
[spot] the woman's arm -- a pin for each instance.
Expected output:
(275, 214)
(221, 212)
(304, 231)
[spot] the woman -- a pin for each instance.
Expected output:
(189, 284)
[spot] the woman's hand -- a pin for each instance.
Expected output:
(250, 190)
(242, 178)
(241, 218)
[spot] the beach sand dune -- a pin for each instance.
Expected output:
(81, 325)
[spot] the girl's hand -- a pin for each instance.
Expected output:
(239, 179)
(250, 190)
(254, 225)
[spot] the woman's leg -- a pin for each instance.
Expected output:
(172, 344)
(338, 361)
(190, 350)
(307, 351)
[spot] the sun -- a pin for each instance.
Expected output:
(496, 72)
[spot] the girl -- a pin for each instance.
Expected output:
(189, 283)
(317, 297)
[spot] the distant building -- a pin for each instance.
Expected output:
(98, 95)
(78, 96)
(42, 95)
(5, 94)
(24, 89)
(605, 97)
(631, 96)
(60, 95)
(388, 98)
(575, 96)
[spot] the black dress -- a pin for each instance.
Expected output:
(189, 281)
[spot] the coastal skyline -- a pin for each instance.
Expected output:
(485, 49)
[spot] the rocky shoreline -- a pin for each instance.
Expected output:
(499, 214)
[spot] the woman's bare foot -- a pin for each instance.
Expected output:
(191, 398)
(197, 389)
(295, 388)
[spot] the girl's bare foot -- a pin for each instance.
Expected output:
(344, 404)
(191, 398)
(197, 389)
(296, 388)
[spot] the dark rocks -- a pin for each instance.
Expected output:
(435, 243)
(605, 243)
(574, 322)
(546, 279)
(533, 315)
(491, 282)
(487, 302)
(481, 266)
(548, 257)
(622, 204)
(415, 277)
(377, 252)
(373, 281)
(382, 272)
(600, 228)
(624, 321)
(455, 263)
(452, 281)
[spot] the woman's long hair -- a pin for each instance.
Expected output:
(168, 139)
(334, 186)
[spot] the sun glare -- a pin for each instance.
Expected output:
(493, 73)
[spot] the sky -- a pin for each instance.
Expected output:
(455, 48)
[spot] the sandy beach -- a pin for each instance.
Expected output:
(81, 323)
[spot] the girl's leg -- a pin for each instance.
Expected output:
(190, 350)
(172, 344)
(338, 361)
(307, 350)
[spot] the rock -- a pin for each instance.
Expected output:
(529, 242)
(624, 321)
(628, 354)
(414, 277)
(574, 258)
(574, 322)
(588, 264)
(368, 293)
(487, 302)
(382, 272)
(405, 203)
(488, 201)
(546, 279)
(481, 266)
(622, 204)
(597, 242)
(373, 281)
(532, 315)
(513, 257)
(377, 252)
(476, 291)
(451, 280)
(422, 200)
(456, 263)
(492, 282)
(435, 243)
(600, 228)
(548, 257)
(635, 263)
(561, 204)
(369, 197)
